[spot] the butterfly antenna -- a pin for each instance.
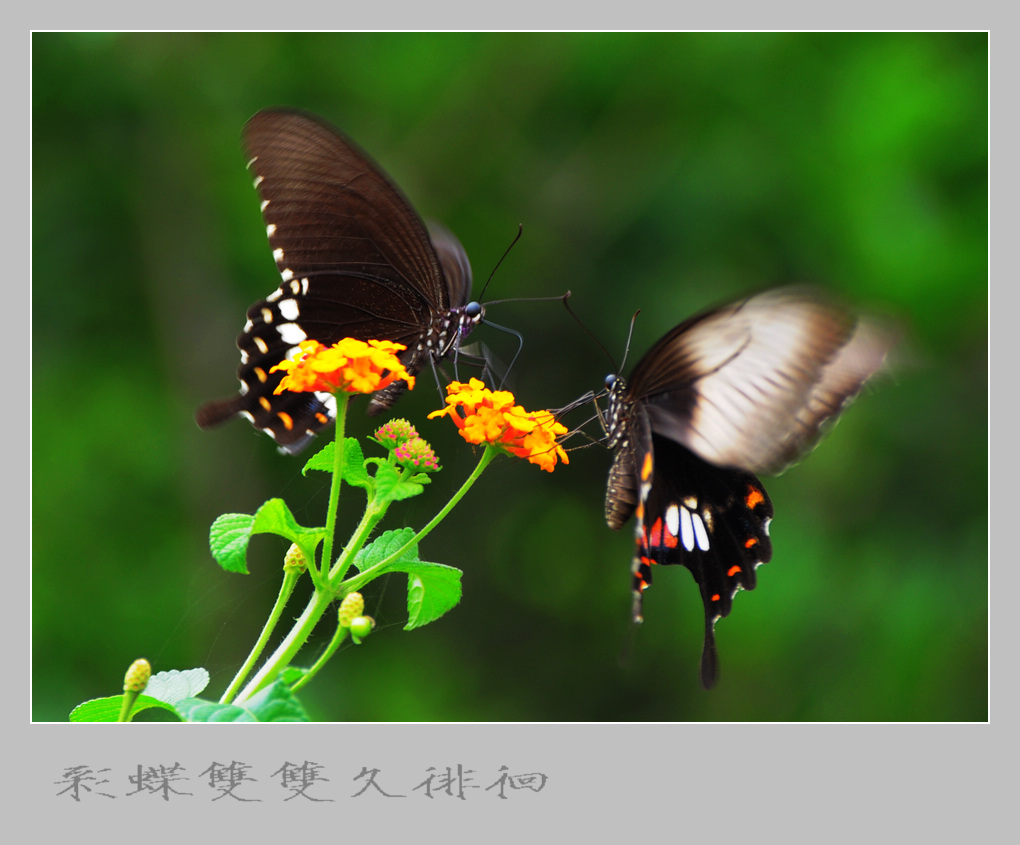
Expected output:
(598, 342)
(630, 334)
(513, 243)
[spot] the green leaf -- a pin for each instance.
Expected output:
(276, 703)
(175, 685)
(108, 709)
(228, 541)
(231, 533)
(274, 517)
(432, 590)
(385, 545)
(392, 485)
(200, 710)
(354, 472)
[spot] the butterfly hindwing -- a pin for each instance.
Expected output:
(711, 520)
(736, 391)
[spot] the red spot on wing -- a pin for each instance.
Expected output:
(660, 535)
(733, 570)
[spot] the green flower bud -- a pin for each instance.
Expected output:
(351, 608)
(361, 627)
(294, 560)
(137, 677)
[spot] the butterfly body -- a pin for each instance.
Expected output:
(355, 260)
(737, 391)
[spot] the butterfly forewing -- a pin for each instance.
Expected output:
(751, 384)
(355, 260)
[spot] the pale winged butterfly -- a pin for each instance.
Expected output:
(735, 391)
(356, 261)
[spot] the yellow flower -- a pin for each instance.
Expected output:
(490, 416)
(351, 366)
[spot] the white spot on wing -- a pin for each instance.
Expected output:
(270, 230)
(289, 309)
(291, 333)
(686, 529)
(700, 534)
(673, 520)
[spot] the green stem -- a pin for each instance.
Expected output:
(487, 456)
(323, 596)
(130, 697)
(286, 588)
(285, 651)
(334, 488)
(369, 519)
(334, 644)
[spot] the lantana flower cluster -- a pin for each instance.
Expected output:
(490, 416)
(351, 366)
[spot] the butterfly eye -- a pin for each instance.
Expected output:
(610, 381)
(473, 309)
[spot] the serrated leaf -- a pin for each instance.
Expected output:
(175, 685)
(432, 590)
(108, 709)
(200, 710)
(354, 472)
(231, 533)
(276, 703)
(228, 541)
(385, 545)
(392, 485)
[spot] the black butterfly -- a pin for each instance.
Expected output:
(738, 390)
(356, 261)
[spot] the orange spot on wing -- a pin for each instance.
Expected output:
(733, 570)
(716, 597)
(751, 541)
(286, 419)
(646, 467)
(753, 498)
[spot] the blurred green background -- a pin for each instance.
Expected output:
(660, 172)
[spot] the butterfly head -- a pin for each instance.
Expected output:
(468, 317)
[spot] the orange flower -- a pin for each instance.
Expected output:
(352, 366)
(490, 416)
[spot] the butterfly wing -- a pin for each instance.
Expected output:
(738, 390)
(356, 261)
(752, 384)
